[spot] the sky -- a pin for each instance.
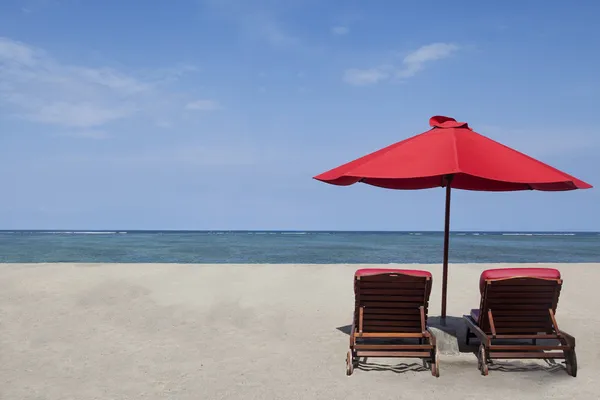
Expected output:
(216, 114)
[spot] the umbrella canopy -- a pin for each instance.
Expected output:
(451, 148)
(451, 155)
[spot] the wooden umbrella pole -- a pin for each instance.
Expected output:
(446, 245)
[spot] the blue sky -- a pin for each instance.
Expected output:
(208, 114)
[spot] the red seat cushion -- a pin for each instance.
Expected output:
(375, 271)
(503, 273)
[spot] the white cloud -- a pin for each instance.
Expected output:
(340, 30)
(189, 155)
(256, 21)
(411, 65)
(87, 134)
(203, 105)
(415, 61)
(78, 115)
(271, 31)
(16, 52)
(362, 77)
(36, 87)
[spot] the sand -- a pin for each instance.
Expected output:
(158, 331)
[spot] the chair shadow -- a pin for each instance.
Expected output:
(347, 329)
(550, 366)
(398, 368)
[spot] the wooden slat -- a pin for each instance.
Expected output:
(524, 294)
(522, 323)
(400, 298)
(393, 354)
(517, 337)
(387, 328)
(366, 347)
(507, 308)
(508, 301)
(526, 347)
(395, 311)
(518, 296)
(508, 318)
(541, 354)
(493, 301)
(395, 304)
(371, 323)
(520, 314)
(521, 289)
(392, 285)
(524, 330)
(389, 335)
(390, 317)
(393, 292)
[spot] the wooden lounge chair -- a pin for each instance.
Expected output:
(390, 310)
(517, 305)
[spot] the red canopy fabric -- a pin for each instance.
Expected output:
(451, 148)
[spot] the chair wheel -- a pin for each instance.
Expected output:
(349, 363)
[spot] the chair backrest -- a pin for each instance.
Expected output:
(390, 301)
(519, 305)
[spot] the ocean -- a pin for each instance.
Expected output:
(282, 247)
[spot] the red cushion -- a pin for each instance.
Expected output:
(503, 273)
(375, 271)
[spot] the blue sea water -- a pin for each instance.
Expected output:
(295, 247)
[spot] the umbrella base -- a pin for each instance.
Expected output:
(446, 332)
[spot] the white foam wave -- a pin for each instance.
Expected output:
(94, 233)
(538, 234)
(81, 232)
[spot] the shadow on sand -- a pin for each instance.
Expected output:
(550, 366)
(398, 368)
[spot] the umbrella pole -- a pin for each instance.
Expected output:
(446, 245)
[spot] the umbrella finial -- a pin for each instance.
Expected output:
(439, 121)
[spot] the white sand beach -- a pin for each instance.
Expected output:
(165, 331)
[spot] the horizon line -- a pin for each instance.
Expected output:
(296, 230)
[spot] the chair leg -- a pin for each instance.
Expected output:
(571, 362)
(482, 360)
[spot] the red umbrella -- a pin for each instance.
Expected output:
(451, 154)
